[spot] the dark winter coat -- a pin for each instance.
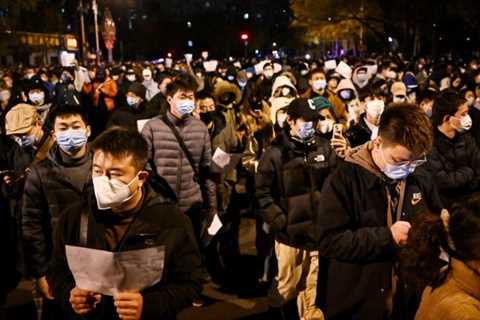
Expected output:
(49, 191)
(455, 166)
(354, 237)
(158, 223)
(288, 183)
(359, 134)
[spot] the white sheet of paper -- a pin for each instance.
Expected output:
(221, 158)
(108, 272)
(188, 57)
(237, 64)
(215, 226)
(277, 67)
(259, 66)
(141, 124)
(330, 65)
(344, 70)
(372, 69)
(168, 62)
(210, 66)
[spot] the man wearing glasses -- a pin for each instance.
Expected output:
(364, 217)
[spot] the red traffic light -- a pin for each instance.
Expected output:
(244, 36)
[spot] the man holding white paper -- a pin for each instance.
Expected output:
(123, 221)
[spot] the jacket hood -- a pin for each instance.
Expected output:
(362, 156)
(282, 81)
(223, 87)
(346, 84)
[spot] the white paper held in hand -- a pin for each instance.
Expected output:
(141, 124)
(108, 272)
(221, 158)
(215, 226)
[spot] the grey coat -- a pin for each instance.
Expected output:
(172, 164)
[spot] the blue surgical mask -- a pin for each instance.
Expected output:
(306, 130)
(242, 84)
(185, 107)
(71, 141)
(26, 141)
(397, 172)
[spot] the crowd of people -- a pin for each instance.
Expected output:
(361, 174)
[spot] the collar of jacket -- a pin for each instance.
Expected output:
(445, 144)
(467, 277)
(54, 155)
(178, 122)
(296, 145)
(362, 156)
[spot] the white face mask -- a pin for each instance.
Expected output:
(398, 99)
(38, 98)
(320, 84)
(362, 77)
(131, 77)
(392, 74)
(325, 126)
(281, 120)
(465, 123)
(147, 75)
(268, 74)
(4, 95)
(285, 91)
(111, 193)
(375, 108)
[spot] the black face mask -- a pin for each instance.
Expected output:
(207, 117)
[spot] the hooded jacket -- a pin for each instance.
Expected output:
(359, 134)
(52, 186)
(354, 236)
(290, 176)
(157, 223)
(458, 298)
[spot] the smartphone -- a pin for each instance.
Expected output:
(338, 130)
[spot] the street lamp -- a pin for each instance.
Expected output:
(109, 33)
(95, 18)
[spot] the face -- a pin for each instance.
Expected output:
(178, 96)
(121, 169)
(147, 75)
(71, 122)
(206, 105)
(316, 77)
(384, 153)
(455, 120)
(332, 84)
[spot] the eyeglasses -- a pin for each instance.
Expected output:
(414, 163)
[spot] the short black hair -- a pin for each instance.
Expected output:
(64, 111)
(446, 104)
(204, 95)
(315, 71)
(182, 82)
(120, 142)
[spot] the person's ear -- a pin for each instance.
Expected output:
(142, 178)
(446, 118)
(88, 131)
(290, 121)
(377, 142)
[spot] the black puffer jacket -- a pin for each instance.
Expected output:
(354, 238)
(49, 191)
(158, 223)
(359, 134)
(455, 166)
(288, 183)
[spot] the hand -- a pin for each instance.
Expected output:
(400, 231)
(339, 145)
(8, 179)
(129, 305)
(45, 288)
(83, 301)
